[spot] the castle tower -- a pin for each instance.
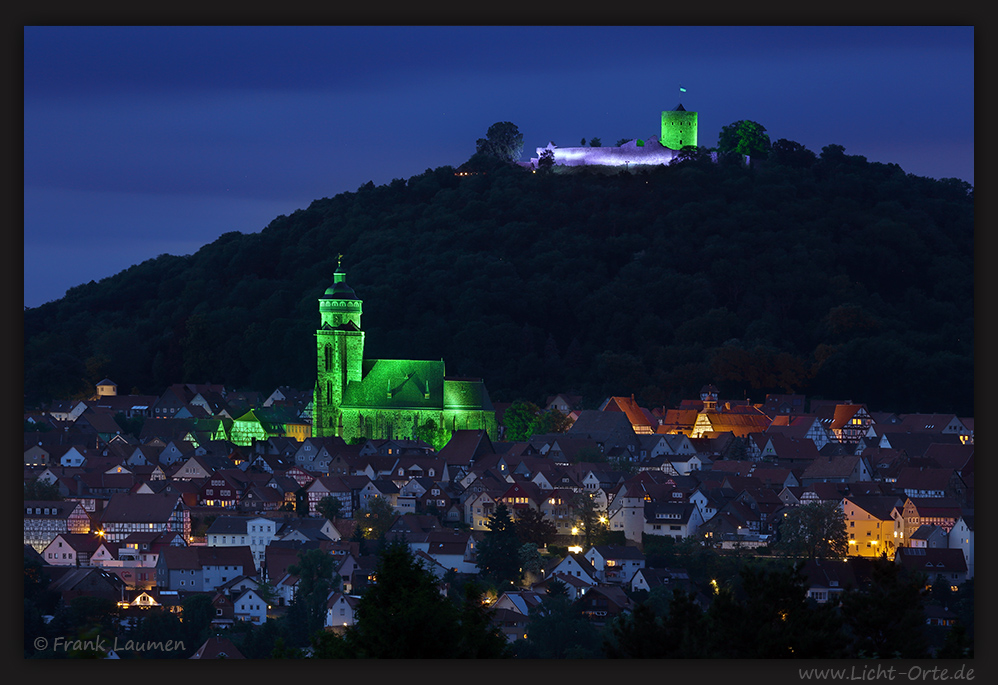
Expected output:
(339, 343)
(679, 128)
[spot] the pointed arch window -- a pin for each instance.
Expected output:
(328, 353)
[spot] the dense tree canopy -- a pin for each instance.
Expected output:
(744, 137)
(498, 555)
(307, 612)
(829, 275)
(814, 531)
(502, 141)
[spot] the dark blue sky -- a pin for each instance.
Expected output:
(140, 141)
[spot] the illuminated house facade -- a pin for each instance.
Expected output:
(679, 129)
(383, 398)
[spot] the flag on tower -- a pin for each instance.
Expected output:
(681, 89)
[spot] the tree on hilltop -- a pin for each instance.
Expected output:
(502, 141)
(744, 137)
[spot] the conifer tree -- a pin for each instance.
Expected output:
(498, 552)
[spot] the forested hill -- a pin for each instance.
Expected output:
(819, 274)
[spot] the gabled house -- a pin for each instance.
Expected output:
(329, 486)
(225, 613)
(603, 603)
(558, 507)
(382, 488)
(316, 454)
(925, 482)
(258, 499)
(920, 511)
(520, 601)
(961, 536)
(478, 507)
(69, 549)
(615, 564)
(564, 403)
(676, 421)
(916, 444)
(946, 424)
(220, 490)
(642, 421)
(176, 451)
(807, 427)
(678, 520)
(845, 422)
(240, 531)
(262, 423)
(134, 559)
(70, 455)
(648, 579)
(827, 578)
(577, 566)
(841, 469)
(202, 569)
(341, 611)
(928, 537)
(788, 405)
(937, 564)
(44, 520)
(127, 513)
(100, 422)
(88, 581)
(869, 524)
(450, 549)
(466, 448)
(521, 496)
(608, 429)
(741, 422)
(249, 606)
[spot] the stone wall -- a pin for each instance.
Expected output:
(627, 155)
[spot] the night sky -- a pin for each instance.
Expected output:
(140, 141)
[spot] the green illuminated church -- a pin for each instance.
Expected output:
(358, 398)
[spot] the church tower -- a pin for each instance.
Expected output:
(339, 343)
(679, 128)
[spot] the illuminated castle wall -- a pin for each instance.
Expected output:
(383, 398)
(679, 129)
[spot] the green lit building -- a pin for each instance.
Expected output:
(679, 128)
(358, 398)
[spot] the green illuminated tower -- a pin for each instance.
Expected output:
(679, 128)
(339, 354)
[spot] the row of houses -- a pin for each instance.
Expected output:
(464, 482)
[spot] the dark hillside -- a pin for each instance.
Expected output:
(836, 277)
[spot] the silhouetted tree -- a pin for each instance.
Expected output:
(307, 613)
(498, 553)
(814, 531)
(532, 526)
(502, 141)
(329, 506)
(886, 617)
(744, 137)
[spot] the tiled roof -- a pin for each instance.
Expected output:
(878, 506)
(140, 508)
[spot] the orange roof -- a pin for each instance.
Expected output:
(635, 414)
